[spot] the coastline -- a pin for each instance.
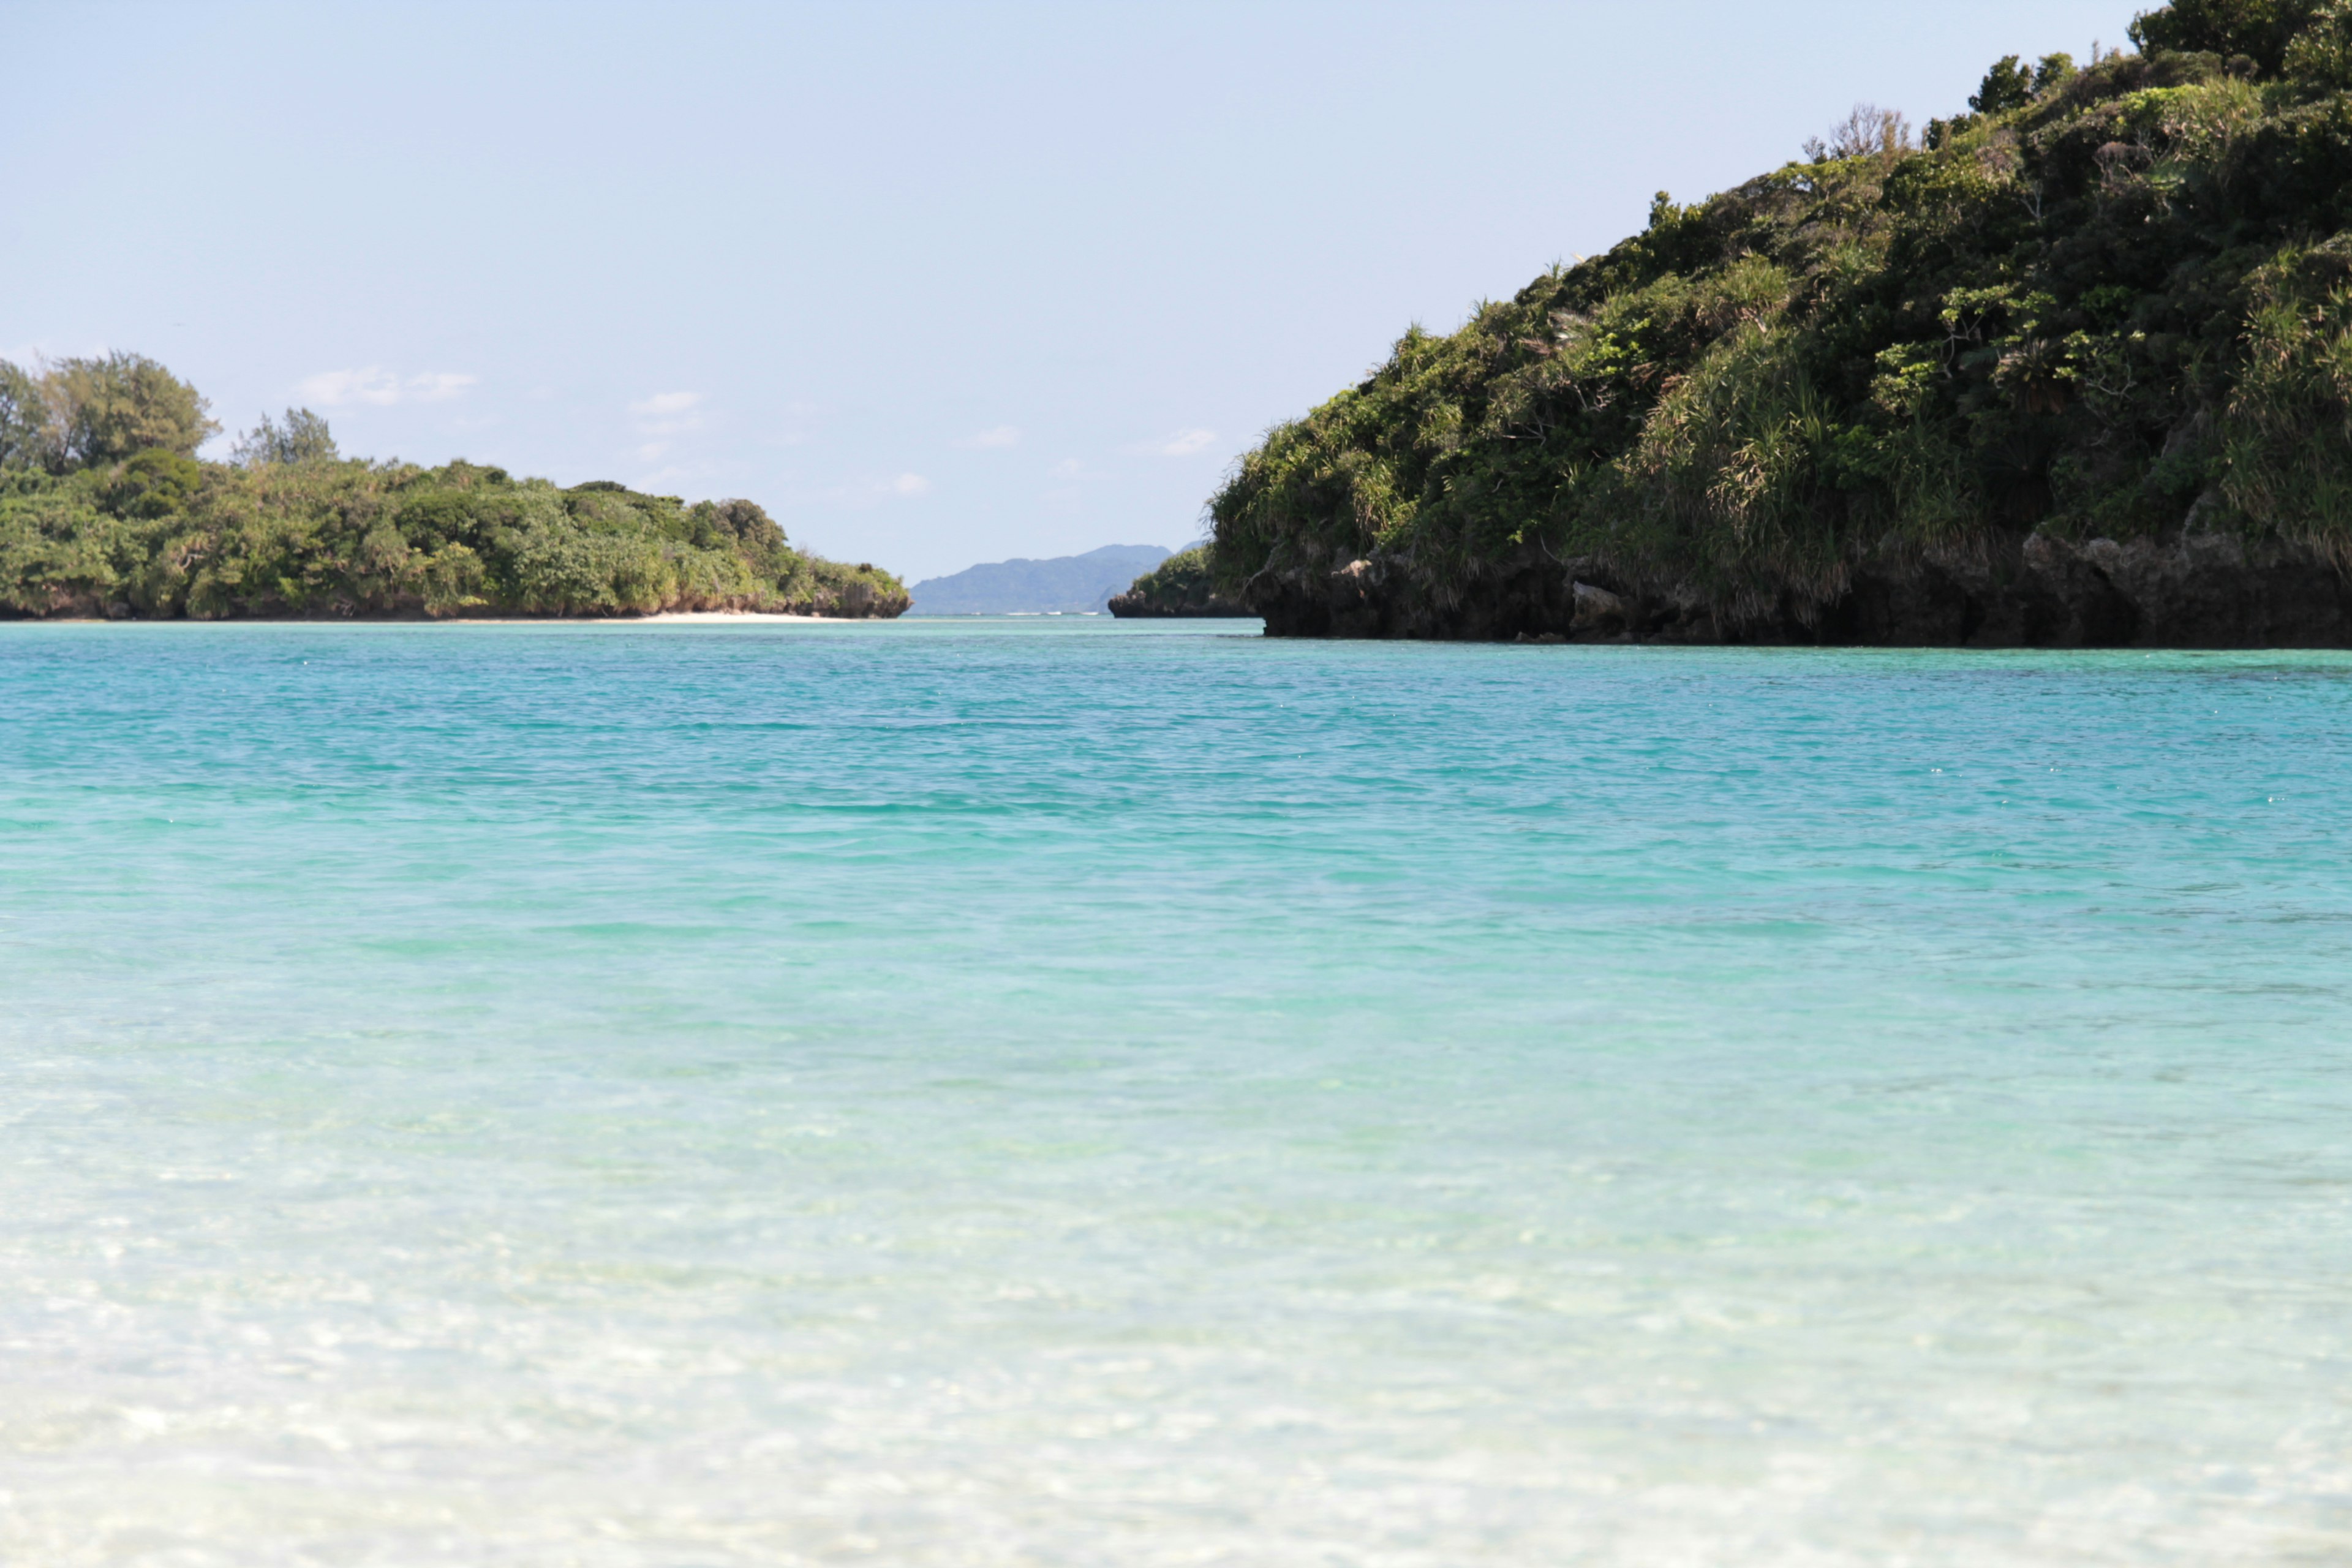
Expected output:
(659, 617)
(702, 618)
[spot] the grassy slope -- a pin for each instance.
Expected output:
(2125, 302)
(163, 536)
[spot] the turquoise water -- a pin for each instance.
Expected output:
(1069, 1093)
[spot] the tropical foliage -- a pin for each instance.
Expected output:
(79, 412)
(104, 511)
(2107, 300)
(1183, 584)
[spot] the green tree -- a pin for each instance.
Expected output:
(102, 410)
(1866, 131)
(2322, 54)
(153, 483)
(23, 417)
(2260, 29)
(2007, 86)
(303, 438)
(749, 521)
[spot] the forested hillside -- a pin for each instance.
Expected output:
(1182, 586)
(106, 512)
(2071, 366)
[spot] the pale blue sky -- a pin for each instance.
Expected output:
(937, 284)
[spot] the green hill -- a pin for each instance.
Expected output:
(1067, 584)
(1183, 585)
(2073, 367)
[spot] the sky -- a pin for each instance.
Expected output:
(935, 284)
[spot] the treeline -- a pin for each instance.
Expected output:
(2112, 300)
(105, 510)
(1183, 585)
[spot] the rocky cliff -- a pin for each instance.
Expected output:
(2198, 591)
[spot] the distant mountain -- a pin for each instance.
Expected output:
(1070, 584)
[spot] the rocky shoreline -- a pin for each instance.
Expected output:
(2210, 591)
(1133, 607)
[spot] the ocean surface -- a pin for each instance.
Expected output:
(1080, 1093)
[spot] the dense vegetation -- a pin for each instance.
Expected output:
(2111, 303)
(1183, 584)
(105, 510)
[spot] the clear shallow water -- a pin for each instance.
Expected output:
(1019, 1093)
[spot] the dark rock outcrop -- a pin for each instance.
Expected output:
(1134, 606)
(2193, 591)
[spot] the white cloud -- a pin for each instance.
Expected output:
(987, 440)
(1184, 444)
(375, 384)
(874, 492)
(660, 479)
(440, 385)
(1067, 468)
(335, 387)
(665, 414)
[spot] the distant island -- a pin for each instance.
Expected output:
(1182, 585)
(1065, 585)
(105, 511)
(2071, 368)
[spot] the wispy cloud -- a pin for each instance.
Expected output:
(654, 483)
(375, 384)
(1067, 468)
(874, 492)
(663, 416)
(433, 387)
(1182, 444)
(990, 440)
(667, 405)
(667, 413)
